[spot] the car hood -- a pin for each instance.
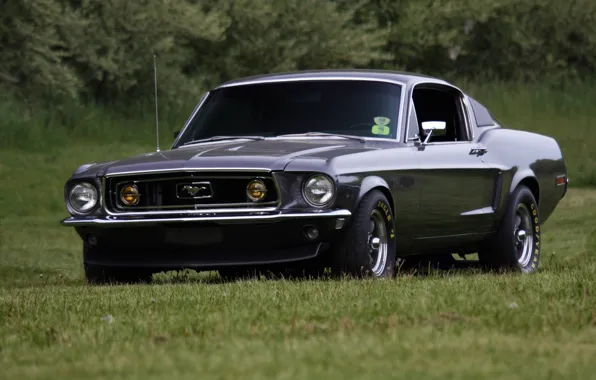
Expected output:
(271, 154)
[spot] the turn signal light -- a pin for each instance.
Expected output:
(256, 190)
(130, 195)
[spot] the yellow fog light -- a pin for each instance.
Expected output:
(256, 190)
(130, 195)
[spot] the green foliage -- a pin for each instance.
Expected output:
(34, 54)
(102, 50)
(113, 49)
(552, 40)
(288, 35)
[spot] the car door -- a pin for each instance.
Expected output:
(456, 185)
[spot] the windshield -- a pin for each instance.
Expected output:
(348, 107)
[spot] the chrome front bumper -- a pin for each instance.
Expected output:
(264, 217)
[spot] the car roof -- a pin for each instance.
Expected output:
(406, 78)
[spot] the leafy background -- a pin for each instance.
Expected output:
(101, 50)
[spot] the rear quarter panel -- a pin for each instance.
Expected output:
(525, 156)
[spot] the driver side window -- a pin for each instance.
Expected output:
(440, 103)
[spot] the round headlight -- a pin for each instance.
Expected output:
(319, 190)
(256, 190)
(129, 195)
(83, 197)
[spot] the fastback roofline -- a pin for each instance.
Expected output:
(397, 77)
(310, 78)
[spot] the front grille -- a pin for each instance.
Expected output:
(189, 191)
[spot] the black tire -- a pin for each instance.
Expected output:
(353, 255)
(99, 275)
(509, 249)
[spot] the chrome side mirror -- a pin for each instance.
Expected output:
(438, 127)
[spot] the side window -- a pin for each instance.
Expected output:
(413, 126)
(483, 117)
(441, 104)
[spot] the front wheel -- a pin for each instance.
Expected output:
(517, 243)
(368, 246)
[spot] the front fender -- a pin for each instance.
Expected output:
(370, 183)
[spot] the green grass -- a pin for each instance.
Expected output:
(463, 324)
(456, 324)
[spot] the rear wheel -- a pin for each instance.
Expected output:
(517, 243)
(368, 245)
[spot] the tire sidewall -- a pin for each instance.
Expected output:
(376, 201)
(524, 196)
(383, 206)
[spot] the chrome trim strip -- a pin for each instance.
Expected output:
(191, 178)
(312, 79)
(367, 138)
(192, 115)
(113, 221)
(471, 120)
(219, 207)
(463, 103)
(193, 211)
(188, 170)
(400, 117)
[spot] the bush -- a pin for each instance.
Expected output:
(528, 40)
(103, 50)
(286, 35)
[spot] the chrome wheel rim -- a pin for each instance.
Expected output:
(523, 236)
(377, 242)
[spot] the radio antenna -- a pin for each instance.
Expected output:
(156, 112)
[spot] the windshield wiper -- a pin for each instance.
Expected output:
(220, 138)
(361, 139)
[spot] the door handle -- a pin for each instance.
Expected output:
(478, 151)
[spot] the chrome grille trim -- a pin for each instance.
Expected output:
(190, 171)
(112, 208)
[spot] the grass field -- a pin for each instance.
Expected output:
(442, 325)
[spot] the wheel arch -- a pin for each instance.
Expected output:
(528, 179)
(375, 183)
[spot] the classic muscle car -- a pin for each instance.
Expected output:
(345, 171)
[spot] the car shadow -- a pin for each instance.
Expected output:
(21, 277)
(457, 267)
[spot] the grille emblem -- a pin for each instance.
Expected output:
(194, 190)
